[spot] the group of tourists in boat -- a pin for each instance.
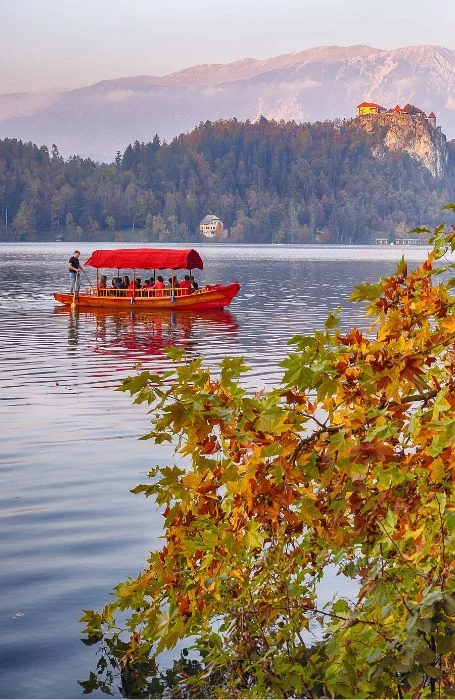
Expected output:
(122, 286)
(153, 292)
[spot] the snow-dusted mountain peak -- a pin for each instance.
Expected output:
(324, 82)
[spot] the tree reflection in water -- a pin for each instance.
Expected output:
(116, 675)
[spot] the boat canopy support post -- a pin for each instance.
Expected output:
(134, 287)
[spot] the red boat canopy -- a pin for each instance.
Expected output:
(146, 259)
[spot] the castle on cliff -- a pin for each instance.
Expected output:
(366, 108)
(407, 129)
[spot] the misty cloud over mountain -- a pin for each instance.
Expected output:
(316, 84)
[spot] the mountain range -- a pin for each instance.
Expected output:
(313, 85)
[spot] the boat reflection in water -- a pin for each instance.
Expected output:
(139, 336)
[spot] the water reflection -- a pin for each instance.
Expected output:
(143, 334)
(73, 329)
(144, 679)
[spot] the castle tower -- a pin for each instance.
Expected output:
(432, 119)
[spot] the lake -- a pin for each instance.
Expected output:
(70, 527)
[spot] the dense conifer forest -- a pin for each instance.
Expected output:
(267, 181)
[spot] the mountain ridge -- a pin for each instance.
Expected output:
(311, 85)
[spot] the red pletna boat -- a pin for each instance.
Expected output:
(212, 296)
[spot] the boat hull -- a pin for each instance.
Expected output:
(212, 297)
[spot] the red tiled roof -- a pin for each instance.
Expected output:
(432, 115)
(367, 104)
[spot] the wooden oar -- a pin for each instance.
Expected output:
(87, 277)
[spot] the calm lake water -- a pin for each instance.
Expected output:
(70, 528)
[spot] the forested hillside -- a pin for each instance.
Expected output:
(267, 181)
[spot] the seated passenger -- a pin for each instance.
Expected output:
(134, 286)
(186, 286)
(146, 288)
(173, 284)
(158, 287)
(122, 284)
(102, 285)
(194, 284)
(116, 282)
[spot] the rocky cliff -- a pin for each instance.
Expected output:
(415, 135)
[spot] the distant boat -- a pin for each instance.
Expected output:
(212, 296)
(59, 239)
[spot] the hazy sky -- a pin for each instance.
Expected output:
(72, 43)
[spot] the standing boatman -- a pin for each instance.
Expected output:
(75, 274)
